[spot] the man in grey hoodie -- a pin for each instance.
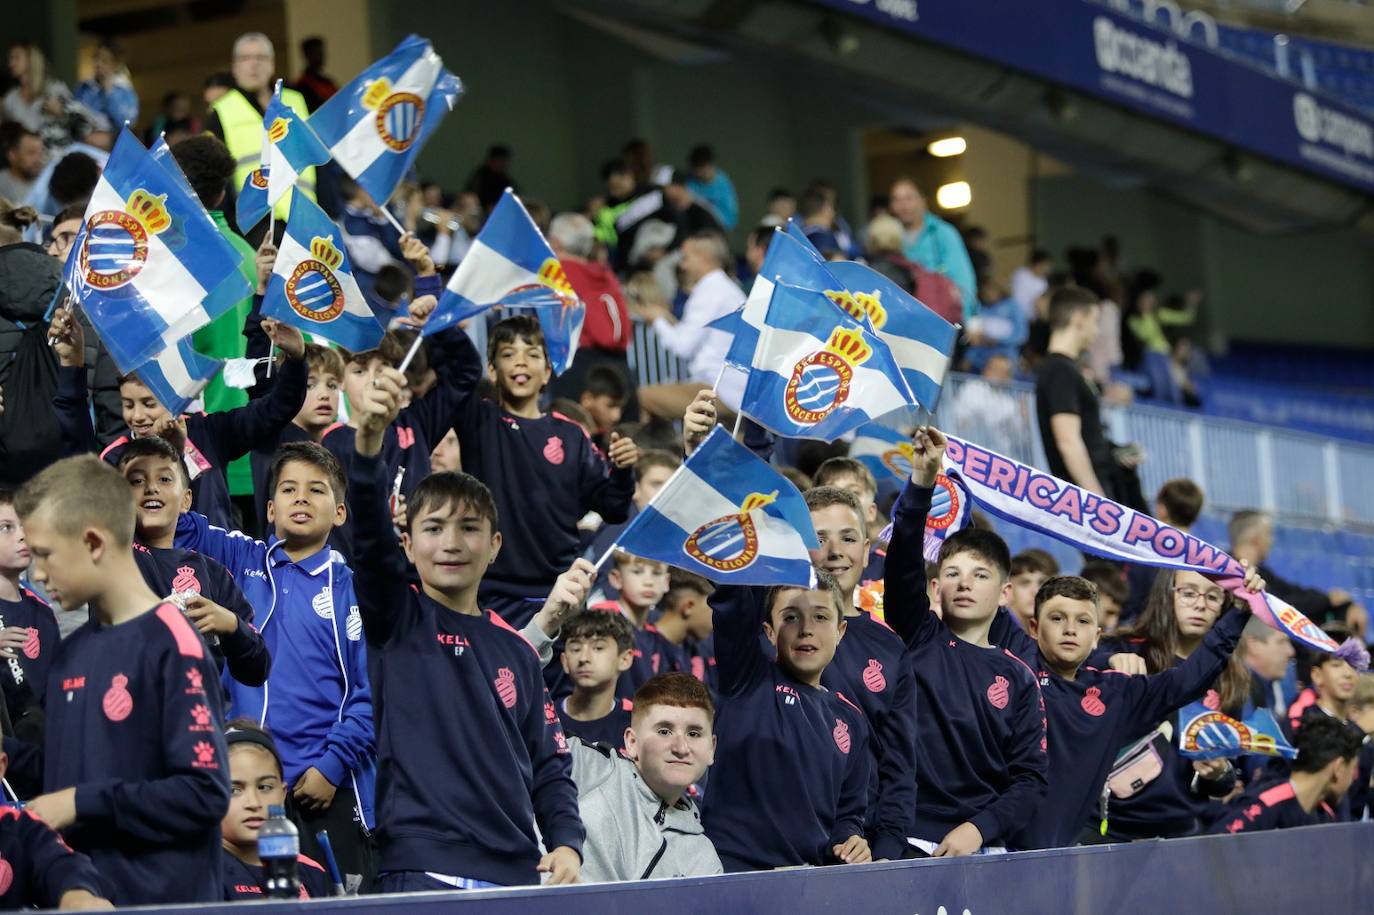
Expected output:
(640, 822)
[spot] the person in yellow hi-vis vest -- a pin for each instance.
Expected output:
(236, 116)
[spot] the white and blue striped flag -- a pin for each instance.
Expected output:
(729, 517)
(289, 147)
(147, 258)
(921, 341)
(177, 375)
(312, 284)
(817, 373)
(375, 126)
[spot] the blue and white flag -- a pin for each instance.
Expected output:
(289, 147)
(147, 258)
(729, 517)
(789, 261)
(177, 375)
(510, 263)
(312, 284)
(1205, 732)
(921, 341)
(886, 452)
(816, 372)
(375, 126)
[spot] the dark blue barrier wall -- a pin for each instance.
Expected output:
(1313, 871)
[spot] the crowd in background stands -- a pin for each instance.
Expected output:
(371, 556)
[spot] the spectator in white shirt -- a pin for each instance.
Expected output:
(711, 295)
(1030, 282)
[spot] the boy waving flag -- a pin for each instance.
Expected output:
(312, 286)
(289, 147)
(147, 257)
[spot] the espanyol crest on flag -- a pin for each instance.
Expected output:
(178, 375)
(729, 517)
(147, 258)
(921, 341)
(817, 373)
(885, 452)
(510, 263)
(289, 147)
(376, 125)
(312, 285)
(1205, 732)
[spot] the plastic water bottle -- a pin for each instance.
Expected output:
(278, 845)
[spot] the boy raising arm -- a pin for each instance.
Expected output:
(495, 734)
(980, 743)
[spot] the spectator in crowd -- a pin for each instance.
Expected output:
(490, 179)
(1268, 654)
(620, 193)
(41, 104)
(133, 759)
(884, 248)
(797, 796)
(1066, 404)
(981, 763)
(215, 86)
(990, 414)
(497, 722)
(1147, 319)
(606, 330)
(1332, 682)
(173, 117)
(318, 697)
(28, 631)
(711, 295)
(24, 159)
(1029, 570)
(44, 873)
(67, 180)
(236, 118)
(1030, 281)
(682, 211)
(817, 215)
(782, 206)
(639, 157)
(1178, 503)
(1182, 608)
(1252, 539)
(685, 621)
(652, 470)
(641, 820)
(847, 244)
(1104, 351)
(934, 245)
(1000, 328)
(639, 584)
(30, 434)
(1321, 775)
(1110, 580)
(713, 186)
(756, 248)
(976, 241)
(109, 93)
(598, 648)
(257, 784)
(603, 398)
(312, 84)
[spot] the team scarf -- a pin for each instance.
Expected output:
(1036, 500)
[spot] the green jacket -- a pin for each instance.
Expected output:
(223, 338)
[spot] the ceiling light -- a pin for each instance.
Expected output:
(954, 195)
(949, 146)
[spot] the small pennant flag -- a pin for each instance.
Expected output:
(289, 147)
(177, 375)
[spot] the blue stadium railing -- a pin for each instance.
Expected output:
(1310, 870)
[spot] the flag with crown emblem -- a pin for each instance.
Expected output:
(1206, 732)
(511, 264)
(147, 258)
(375, 126)
(817, 373)
(178, 374)
(289, 147)
(729, 517)
(312, 284)
(921, 341)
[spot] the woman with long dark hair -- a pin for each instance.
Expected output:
(1155, 791)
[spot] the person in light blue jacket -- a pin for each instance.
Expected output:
(317, 702)
(714, 188)
(109, 94)
(933, 243)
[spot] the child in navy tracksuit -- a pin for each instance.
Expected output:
(212, 440)
(317, 702)
(199, 584)
(869, 667)
(543, 470)
(598, 650)
(790, 783)
(1180, 611)
(981, 754)
(470, 750)
(134, 762)
(28, 631)
(1094, 713)
(42, 871)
